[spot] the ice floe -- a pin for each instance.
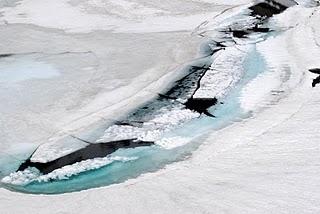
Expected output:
(32, 174)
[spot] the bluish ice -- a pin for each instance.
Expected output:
(17, 69)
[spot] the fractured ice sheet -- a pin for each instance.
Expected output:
(55, 149)
(150, 130)
(273, 167)
(225, 72)
(32, 174)
(168, 111)
(150, 121)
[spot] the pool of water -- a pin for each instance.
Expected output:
(136, 161)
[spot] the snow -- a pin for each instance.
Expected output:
(277, 74)
(172, 142)
(43, 13)
(119, 16)
(225, 72)
(56, 148)
(150, 130)
(287, 3)
(267, 163)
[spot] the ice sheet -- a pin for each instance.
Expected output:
(268, 163)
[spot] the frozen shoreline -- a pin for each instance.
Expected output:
(272, 167)
(159, 117)
(96, 82)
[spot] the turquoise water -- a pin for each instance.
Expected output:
(150, 159)
(153, 158)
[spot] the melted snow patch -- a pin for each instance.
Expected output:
(17, 69)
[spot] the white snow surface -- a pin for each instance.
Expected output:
(52, 150)
(172, 142)
(151, 130)
(117, 15)
(276, 81)
(225, 72)
(268, 163)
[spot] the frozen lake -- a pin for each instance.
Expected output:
(69, 78)
(167, 123)
(129, 163)
(232, 127)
